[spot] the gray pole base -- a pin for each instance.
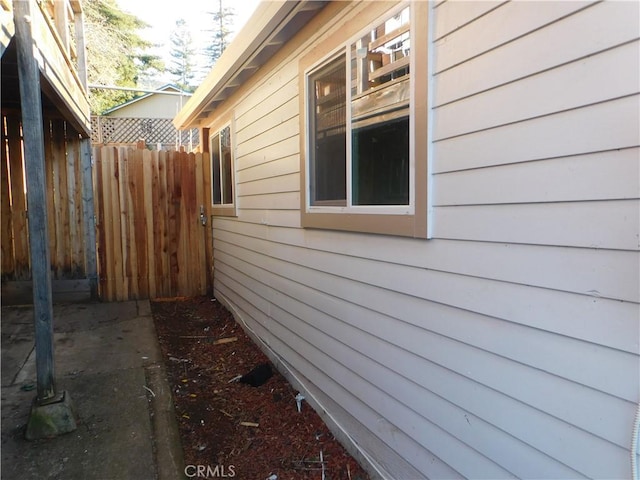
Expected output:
(52, 418)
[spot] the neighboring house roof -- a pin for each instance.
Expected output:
(269, 28)
(164, 88)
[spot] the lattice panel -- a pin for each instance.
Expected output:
(118, 130)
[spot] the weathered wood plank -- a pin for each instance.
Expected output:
(6, 239)
(48, 165)
(122, 287)
(101, 240)
(200, 269)
(75, 267)
(163, 219)
(140, 225)
(174, 222)
(88, 216)
(108, 226)
(190, 223)
(130, 210)
(149, 163)
(60, 197)
(114, 230)
(19, 202)
(160, 217)
(181, 187)
(206, 161)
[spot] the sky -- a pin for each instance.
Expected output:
(162, 16)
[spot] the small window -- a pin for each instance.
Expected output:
(222, 172)
(365, 165)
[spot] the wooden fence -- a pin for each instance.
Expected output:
(64, 202)
(151, 241)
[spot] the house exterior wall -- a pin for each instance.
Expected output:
(153, 106)
(507, 344)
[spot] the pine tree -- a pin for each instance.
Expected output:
(182, 52)
(222, 22)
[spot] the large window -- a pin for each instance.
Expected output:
(222, 174)
(365, 166)
(328, 125)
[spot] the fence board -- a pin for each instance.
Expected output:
(159, 195)
(6, 241)
(60, 256)
(112, 221)
(120, 210)
(139, 259)
(174, 220)
(206, 184)
(98, 189)
(64, 203)
(18, 202)
(50, 161)
(200, 239)
(151, 242)
(148, 177)
(74, 194)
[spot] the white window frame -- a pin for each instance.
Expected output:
(345, 49)
(225, 209)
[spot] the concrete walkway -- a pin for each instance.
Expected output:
(108, 360)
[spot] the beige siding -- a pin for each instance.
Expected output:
(153, 106)
(507, 345)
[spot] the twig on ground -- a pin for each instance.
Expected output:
(149, 390)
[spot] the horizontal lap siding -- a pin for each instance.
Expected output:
(508, 344)
(536, 149)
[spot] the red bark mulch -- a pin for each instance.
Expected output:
(275, 438)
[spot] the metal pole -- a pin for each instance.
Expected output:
(138, 90)
(33, 138)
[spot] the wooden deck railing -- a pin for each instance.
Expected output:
(65, 20)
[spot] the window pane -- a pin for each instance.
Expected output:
(381, 163)
(227, 165)
(382, 55)
(215, 170)
(327, 89)
(381, 95)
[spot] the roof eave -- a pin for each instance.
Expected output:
(268, 29)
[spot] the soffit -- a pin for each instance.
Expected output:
(270, 27)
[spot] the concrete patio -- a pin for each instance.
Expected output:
(108, 360)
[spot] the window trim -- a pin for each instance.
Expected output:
(403, 220)
(225, 209)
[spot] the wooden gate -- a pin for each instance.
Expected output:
(151, 239)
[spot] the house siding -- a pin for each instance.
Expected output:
(155, 105)
(507, 345)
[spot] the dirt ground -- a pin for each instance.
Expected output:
(243, 431)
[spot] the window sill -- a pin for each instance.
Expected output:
(383, 224)
(224, 211)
